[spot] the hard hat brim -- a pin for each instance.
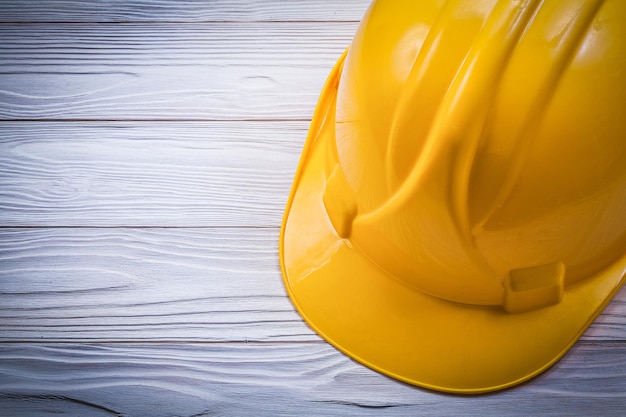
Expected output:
(361, 310)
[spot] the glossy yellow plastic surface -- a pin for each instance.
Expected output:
(458, 217)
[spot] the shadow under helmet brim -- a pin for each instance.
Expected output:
(358, 308)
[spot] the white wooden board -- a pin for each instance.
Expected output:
(148, 173)
(215, 71)
(277, 379)
(181, 11)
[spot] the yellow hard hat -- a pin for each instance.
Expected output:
(458, 217)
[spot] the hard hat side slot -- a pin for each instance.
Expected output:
(339, 202)
(527, 289)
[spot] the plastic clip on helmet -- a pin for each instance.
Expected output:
(458, 217)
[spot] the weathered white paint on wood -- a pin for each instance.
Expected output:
(215, 284)
(217, 71)
(147, 174)
(282, 379)
(144, 284)
(183, 11)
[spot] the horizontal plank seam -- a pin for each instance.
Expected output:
(225, 343)
(139, 342)
(52, 120)
(156, 227)
(184, 342)
(30, 397)
(169, 22)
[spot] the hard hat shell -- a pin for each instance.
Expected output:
(458, 217)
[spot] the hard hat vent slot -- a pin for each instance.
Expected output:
(532, 288)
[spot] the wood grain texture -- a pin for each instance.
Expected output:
(284, 379)
(218, 71)
(215, 285)
(147, 174)
(144, 284)
(181, 11)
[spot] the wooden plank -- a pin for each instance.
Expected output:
(214, 285)
(144, 284)
(147, 174)
(218, 71)
(284, 379)
(181, 11)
